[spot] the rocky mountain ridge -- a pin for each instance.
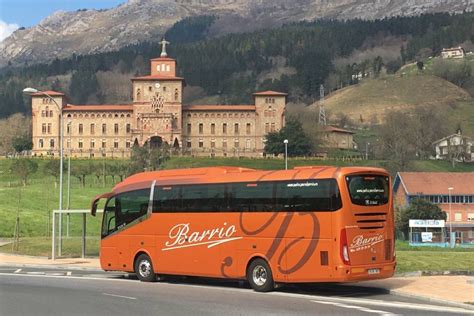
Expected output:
(91, 31)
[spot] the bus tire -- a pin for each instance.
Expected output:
(260, 276)
(144, 268)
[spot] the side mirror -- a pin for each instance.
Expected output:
(94, 207)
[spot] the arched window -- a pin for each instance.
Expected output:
(176, 94)
(47, 111)
(41, 143)
(139, 94)
(50, 113)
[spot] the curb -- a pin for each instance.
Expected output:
(433, 273)
(432, 300)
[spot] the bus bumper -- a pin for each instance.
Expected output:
(345, 273)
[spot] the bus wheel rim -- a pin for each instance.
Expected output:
(259, 275)
(144, 268)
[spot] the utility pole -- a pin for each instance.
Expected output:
(322, 111)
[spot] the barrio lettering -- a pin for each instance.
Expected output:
(360, 242)
(181, 236)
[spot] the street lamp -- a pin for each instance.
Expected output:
(69, 128)
(450, 218)
(31, 91)
(286, 153)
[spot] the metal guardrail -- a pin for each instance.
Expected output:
(54, 237)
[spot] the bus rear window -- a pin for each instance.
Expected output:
(368, 190)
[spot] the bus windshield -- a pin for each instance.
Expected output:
(368, 190)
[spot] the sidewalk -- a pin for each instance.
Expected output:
(449, 289)
(81, 263)
(440, 288)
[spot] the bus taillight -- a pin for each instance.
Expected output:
(344, 248)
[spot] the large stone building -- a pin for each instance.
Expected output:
(156, 115)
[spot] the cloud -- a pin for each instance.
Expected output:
(6, 29)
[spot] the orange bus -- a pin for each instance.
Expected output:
(308, 224)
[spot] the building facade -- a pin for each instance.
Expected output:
(156, 115)
(453, 192)
(453, 52)
(455, 146)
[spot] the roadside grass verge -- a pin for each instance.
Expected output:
(408, 261)
(41, 246)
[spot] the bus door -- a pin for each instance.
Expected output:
(369, 237)
(108, 244)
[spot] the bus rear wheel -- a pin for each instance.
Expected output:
(144, 269)
(260, 277)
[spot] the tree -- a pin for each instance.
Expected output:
(393, 66)
(23, 168)
(420, 65)
(22, 143)
(80, 171)
(15, 133)
(457, 72)
(122, 169)
(52, 168)
(298, 141)
(418, 209)
(395, 141)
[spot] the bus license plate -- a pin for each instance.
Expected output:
(373, 271)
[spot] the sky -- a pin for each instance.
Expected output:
(27, 13)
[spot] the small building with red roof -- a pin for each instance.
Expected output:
(453, 192)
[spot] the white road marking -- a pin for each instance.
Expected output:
(360, 308)
(359, 301)
(17, 271)
(35, 273)
(120, 296)
(69, 273)
(402, 305)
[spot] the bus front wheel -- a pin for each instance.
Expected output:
(260, 277)
(144, 268)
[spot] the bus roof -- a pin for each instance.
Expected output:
(223, 174)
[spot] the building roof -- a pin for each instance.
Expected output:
(436, 183)
(50, 92)
(270, 93)
(213, 107)
(99, 107)
(329, 128)
(159, 77)
(453, 49)
(451, 136)
(164, 59)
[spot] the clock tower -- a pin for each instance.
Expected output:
(157, 102)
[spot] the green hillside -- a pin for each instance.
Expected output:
(372, 99)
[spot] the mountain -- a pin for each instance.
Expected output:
(92, 31)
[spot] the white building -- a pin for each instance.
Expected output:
(454, 52)
(461, 146)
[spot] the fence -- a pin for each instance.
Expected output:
(57, 239)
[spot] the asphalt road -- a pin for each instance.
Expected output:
(56, 291)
